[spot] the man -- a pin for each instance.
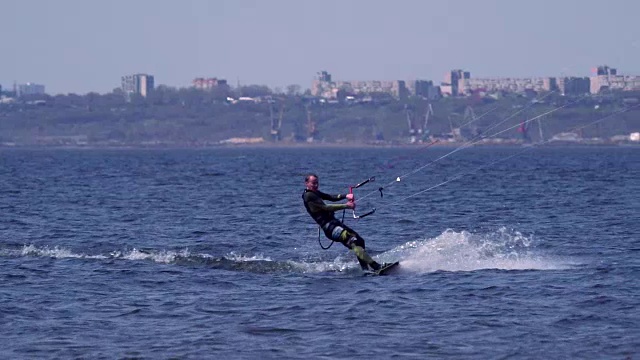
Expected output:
(333, 229)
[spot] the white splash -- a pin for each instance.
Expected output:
(164, 257)
(245, 258)
(337, 265)
(134, 254)
(55, 252)
(464, 251)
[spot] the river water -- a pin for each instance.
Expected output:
(198, 254)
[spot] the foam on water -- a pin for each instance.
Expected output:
(242, 257)
(55, 252)
(450, 251)
(464, 251)
(164, 256)
(337, 265)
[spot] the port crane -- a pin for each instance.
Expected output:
(312, 131)
(469, 116)
(276, 124)
(412, 130)
(427, 114)
(417, 132)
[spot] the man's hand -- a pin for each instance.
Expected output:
(350, 197)
(351, 204)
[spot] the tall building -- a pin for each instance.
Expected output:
(208, 83)
(423, 88)
(454, 80)
(574, 85)
(141, 84)
(607, 79)
(321, 84)
(324, 76)
(605, 70)
(29, 89)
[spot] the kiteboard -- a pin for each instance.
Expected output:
(385, 269)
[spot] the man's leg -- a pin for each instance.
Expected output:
(356, 244)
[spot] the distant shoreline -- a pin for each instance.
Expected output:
(317, 145)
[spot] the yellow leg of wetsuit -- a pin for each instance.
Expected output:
(360, 252)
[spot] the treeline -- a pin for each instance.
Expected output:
(197, 117)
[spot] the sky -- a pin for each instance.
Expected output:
(81, 46)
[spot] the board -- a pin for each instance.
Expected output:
(386, 268)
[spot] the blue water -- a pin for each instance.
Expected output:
(210, 254)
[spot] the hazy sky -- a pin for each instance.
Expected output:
(87, 45)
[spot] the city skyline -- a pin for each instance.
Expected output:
(76, 47)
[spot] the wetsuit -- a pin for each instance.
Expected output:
(323, 214)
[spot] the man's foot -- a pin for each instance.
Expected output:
(375, 266)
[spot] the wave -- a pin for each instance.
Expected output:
(464, 251)
(257, 263)
(450, 251)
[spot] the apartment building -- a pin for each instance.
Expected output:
(141, 84)
(323, 86)
(423, 88)
(208, 83)
(574, 85)
(29, 89)
(514, 85)
(452, 81)
(606, 78)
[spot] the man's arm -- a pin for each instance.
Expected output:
(336, 197)
(316, 204)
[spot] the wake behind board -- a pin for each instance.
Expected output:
(385, 269)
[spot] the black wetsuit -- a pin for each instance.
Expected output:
(334, 229)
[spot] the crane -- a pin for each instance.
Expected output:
(412, 131)
(276, 124)
(312, 132)
(424, 131)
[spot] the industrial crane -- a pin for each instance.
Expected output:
(276, 124)
(312, 132)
